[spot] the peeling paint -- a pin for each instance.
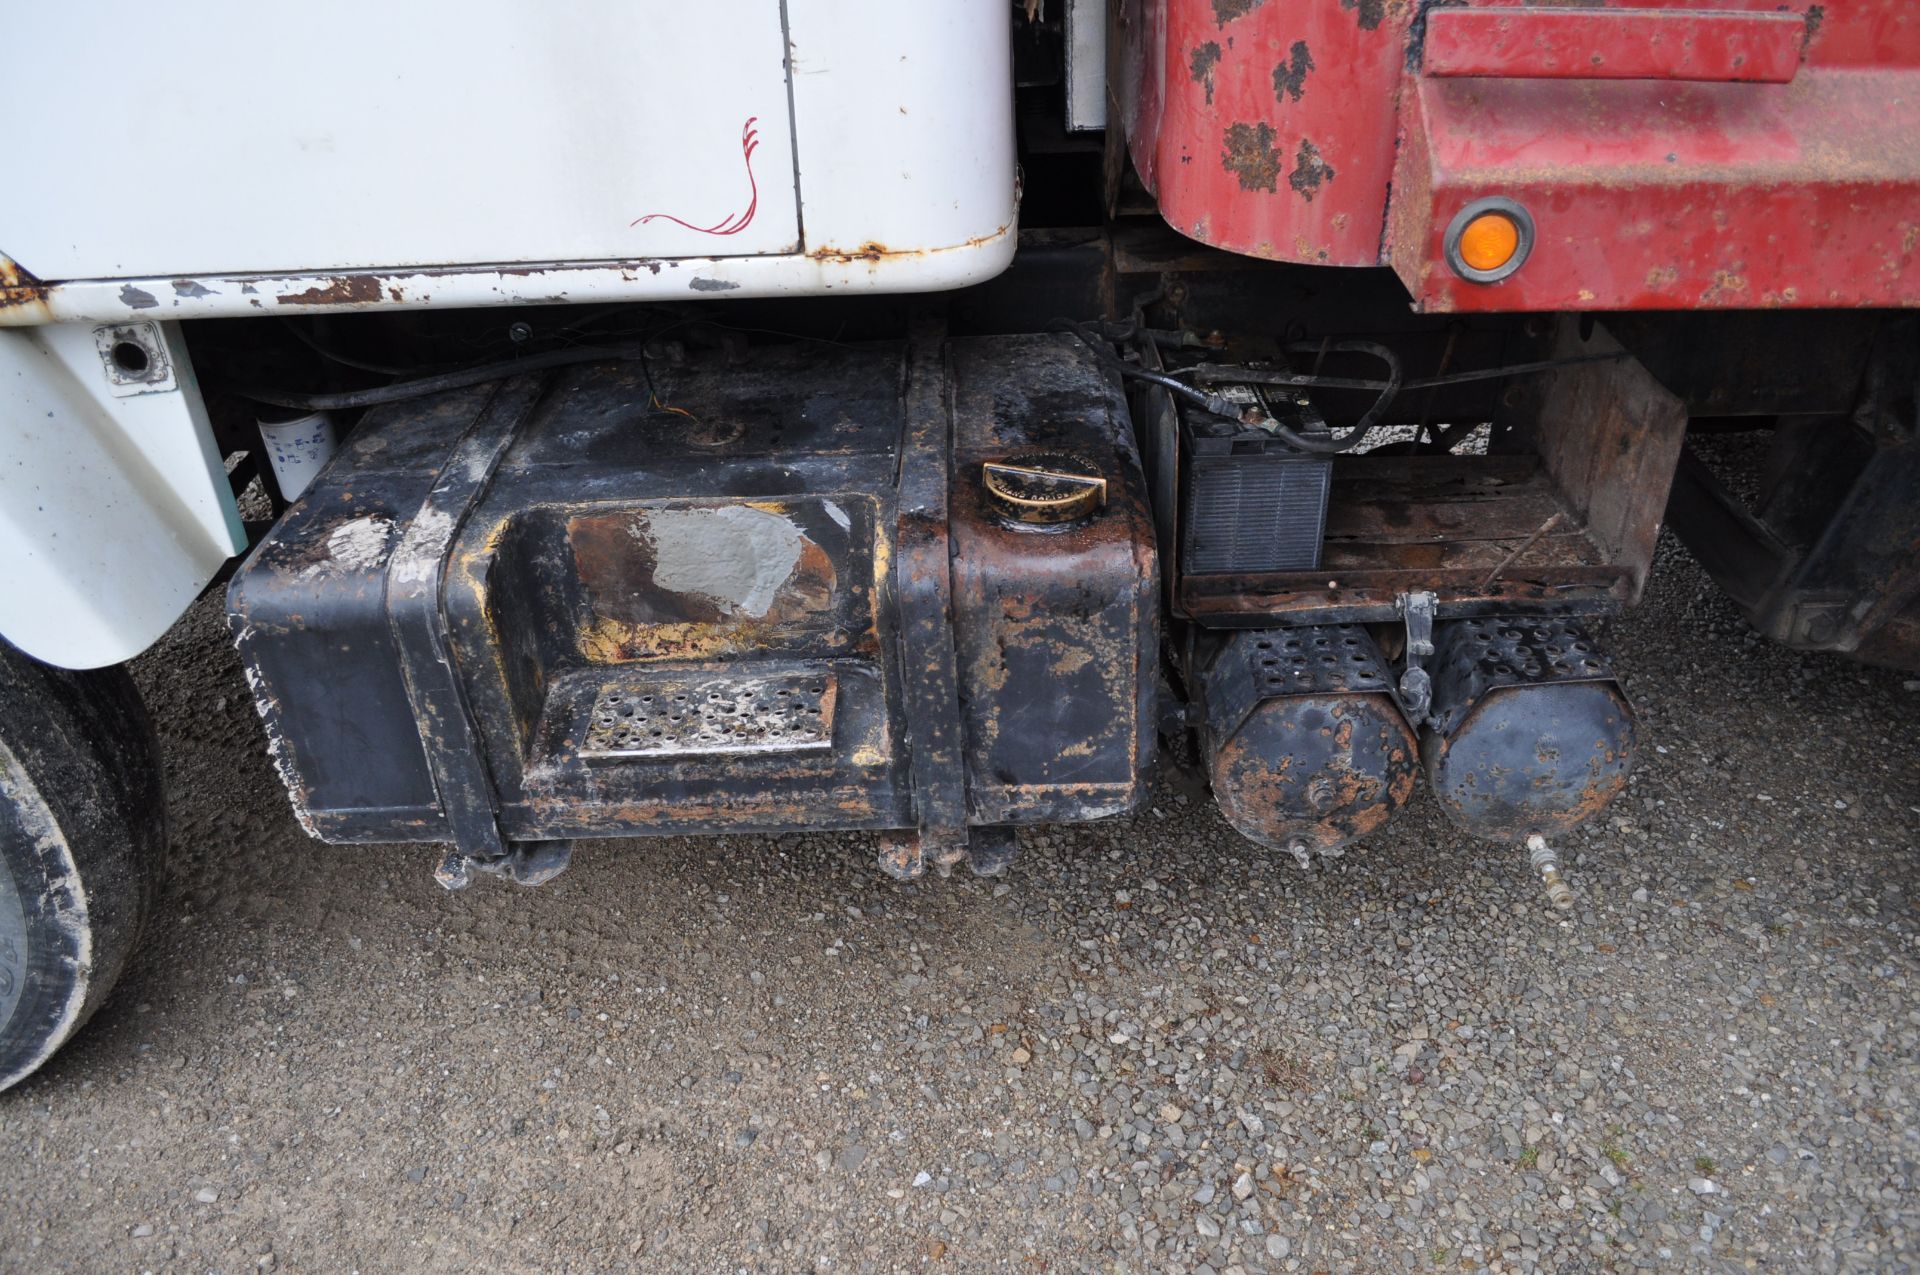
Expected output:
(1372, 12)
(418, 559)
(358, 545)
(137, 298)
(1250, 156)
(1290, 77)
(1225, 11)
(351, 289)
(1310, 170)
(1205, 58)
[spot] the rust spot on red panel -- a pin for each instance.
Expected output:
(1225, 11)
(1250, 156)
(1290, 77)
(1371, 12)
(1310, 170)
(1205, 58)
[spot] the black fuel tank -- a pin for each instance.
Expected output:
(619, 599)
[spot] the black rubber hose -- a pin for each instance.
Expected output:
(1358, 431)
(1223, 373)
(1217, 404)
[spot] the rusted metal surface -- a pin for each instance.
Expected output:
(1467, 528)
(868, 266)
(415, 576)
(342, 731)
(1267, 128)
(1550, 42)
(1530, 733)
(1658, 195)
(698, 580)
(1056, 626)
(1326, 132)
(1828, 557)
(1307, 751)
(922, 587)
(729, 517)
(739, 523)
(22, 295)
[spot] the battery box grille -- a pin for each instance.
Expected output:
(1254, 511)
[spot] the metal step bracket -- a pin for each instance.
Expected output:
(1415, 691)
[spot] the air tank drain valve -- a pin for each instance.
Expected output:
(1547, 864)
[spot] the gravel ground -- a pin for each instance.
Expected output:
(1153, 1047)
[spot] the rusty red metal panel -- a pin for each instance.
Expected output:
(1267, 127)
(1839, 32)
(1614, 44)
(1651, 195)
(1270, 129)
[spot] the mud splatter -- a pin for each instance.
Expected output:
(1310, 171)
(1290, 77)
(1250, 156)
(1205, 58)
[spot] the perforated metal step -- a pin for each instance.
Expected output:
(640, 716)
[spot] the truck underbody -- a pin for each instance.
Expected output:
(1300, 427)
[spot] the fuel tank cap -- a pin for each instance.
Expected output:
(1043, 487)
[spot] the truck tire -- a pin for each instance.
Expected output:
(82, 844)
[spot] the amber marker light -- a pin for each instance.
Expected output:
(1489, 239)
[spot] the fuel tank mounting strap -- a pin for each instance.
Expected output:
(452, 739)
(923, 585)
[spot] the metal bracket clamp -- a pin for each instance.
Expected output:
(923, 585)
(1415, 691)
(456, 754)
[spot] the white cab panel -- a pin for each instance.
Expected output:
(290, 138)
(283, 159)
(271, 159)
(114, 508)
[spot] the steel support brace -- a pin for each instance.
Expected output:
(456, 753)
(923, 585)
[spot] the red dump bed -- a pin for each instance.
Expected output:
(1670, 154)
